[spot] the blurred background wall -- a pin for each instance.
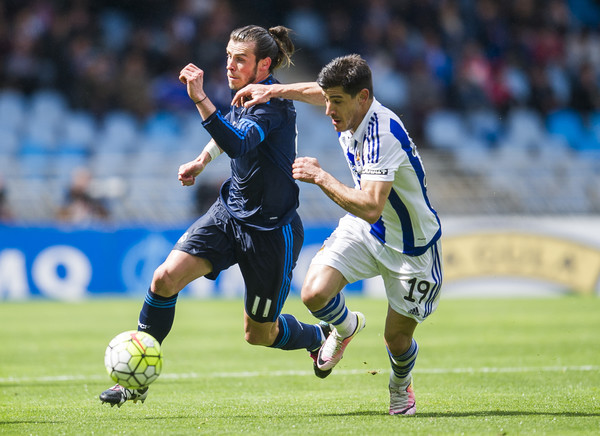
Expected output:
(501, 97)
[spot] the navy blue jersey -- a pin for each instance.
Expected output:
(261, 142)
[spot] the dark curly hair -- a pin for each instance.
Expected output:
(351, 72)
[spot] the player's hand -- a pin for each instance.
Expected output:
(252, 94)
(193, 78)
(306, 169)
(189, 171)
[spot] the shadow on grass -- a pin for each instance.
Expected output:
(37, 421)
(482, 413)
(506, 413)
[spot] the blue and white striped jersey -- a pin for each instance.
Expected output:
(382, 150)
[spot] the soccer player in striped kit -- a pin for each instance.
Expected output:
(254, 222)
(391, 229)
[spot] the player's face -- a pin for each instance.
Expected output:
(241, 64)
(345, 111)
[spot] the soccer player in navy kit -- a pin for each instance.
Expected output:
(391, 230)
(254, 222)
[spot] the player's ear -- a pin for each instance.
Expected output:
(264, 64)
(363, 95)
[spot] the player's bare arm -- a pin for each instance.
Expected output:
(189, 171)
(366, 203)
(193, 78)
(307, 92)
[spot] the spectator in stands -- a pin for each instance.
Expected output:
(81, 205)
(585, 95)
(478, 54)
(5, 212)
(84, 61)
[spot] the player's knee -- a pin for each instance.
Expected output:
(312, 297)
(261, 333)
(163, 282)
(256, 338)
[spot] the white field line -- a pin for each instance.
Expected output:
(193, 375)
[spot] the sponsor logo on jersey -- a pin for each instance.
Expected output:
(383, 172)
(414, 311)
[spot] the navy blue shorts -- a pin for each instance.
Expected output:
(265, 258)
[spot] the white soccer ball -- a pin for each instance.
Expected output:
(133, 359)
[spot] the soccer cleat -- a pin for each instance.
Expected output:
(332, 350)
(326, 329)
(117, 395)
(402, 400)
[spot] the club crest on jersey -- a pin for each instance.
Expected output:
(183, 238)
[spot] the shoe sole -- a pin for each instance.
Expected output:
(411, 411)
(321, 373)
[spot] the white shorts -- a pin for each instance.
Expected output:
(412, 283)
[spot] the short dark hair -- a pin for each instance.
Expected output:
(274, 43)
(351, 72)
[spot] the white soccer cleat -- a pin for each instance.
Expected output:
(332, 350)
(117, 395)
(402, 400)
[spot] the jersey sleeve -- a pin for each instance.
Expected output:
(247, 133)
(382, 156)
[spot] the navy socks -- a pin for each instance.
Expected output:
(157, 314)
(296, 335)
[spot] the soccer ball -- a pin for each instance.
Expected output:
(133, 359)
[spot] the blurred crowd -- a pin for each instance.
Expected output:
(426, 55)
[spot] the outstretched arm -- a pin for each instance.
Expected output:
(189, 171)
(307, 92)
(366, 203)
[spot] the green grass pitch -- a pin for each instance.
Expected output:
(485, 367)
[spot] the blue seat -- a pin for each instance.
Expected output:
(162, 124)
(9, 141)
(119, 131)
(485, 125)
(567, 124)
(445, 129)
(35, 165)
(524, 128)
(79, 133)
(12, 110)
(48, 107)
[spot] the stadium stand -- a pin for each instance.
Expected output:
(502, 98)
